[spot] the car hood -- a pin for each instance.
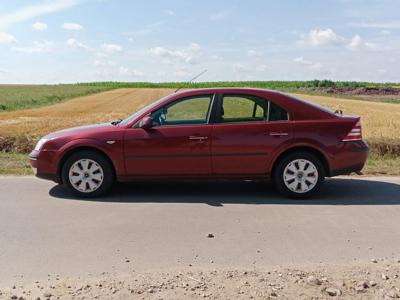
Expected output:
(81, 130)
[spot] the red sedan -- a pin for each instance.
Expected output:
(222, 133)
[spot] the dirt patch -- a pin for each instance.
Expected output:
(351, 91)
(372, 280)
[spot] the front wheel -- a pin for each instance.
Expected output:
(87, 174)
(299, 175)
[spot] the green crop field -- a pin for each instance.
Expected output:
(15, 97)
(274, 85)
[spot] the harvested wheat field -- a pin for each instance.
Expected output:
(20, 129)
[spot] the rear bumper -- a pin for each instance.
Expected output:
(43, 166)
(351, 157)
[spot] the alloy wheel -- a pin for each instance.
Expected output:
(86, 175)
(300, 176)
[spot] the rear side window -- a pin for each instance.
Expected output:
(277, 113)
(243, 108)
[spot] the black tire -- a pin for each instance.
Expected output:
(278, 176)
(108, 177)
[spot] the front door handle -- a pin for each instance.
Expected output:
(197, 138)
(278, 133)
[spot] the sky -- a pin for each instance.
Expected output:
(67, 41)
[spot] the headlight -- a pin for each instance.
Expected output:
(40, 144)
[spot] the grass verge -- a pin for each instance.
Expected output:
(382, 165)
(14, 164)
(18, 164)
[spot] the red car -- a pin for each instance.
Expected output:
(221, 133)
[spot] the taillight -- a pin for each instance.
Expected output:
(354, 134)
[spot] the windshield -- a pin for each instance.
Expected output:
(138, 113)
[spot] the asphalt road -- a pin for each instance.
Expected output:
(149, 227)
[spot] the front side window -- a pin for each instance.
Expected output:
(193, 110)
(241, 108)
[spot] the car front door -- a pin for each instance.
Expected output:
(178, 143)
(247, 130)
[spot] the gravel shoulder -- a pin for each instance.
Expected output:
(373, 280)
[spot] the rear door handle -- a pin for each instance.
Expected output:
(278, 133)
(197, 138)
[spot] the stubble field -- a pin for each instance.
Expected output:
(19, 130)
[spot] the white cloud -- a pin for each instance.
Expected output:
(72, 26)
(123, 71)
(75, 44)
(111, 48)
(357, 43)
(39, 26)
(6, 38)
(38, 47)
(186, 55)
(300, 60)
(35, 10)
(321, 37)
(327, 37)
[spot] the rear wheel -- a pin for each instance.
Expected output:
(87, 174)
(299, 175)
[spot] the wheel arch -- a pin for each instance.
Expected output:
(71, 151)
(318, 153)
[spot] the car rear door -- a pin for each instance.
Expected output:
(244, 137)
(179, 143)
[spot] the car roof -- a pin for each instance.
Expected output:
(227, 90)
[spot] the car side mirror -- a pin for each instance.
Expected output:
(146, 123)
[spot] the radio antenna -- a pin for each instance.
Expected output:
(194, 78)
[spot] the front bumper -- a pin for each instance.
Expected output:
(43, 166)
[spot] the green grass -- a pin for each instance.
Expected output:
(15, 97)
(14, 164)
(382, 165)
